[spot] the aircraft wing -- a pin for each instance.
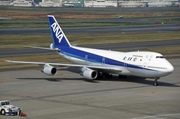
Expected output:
(93, 66)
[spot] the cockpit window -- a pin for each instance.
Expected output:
(159, 57)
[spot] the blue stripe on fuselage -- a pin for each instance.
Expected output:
(94, 58)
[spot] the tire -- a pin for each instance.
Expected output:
(3, 112)
(156, 84)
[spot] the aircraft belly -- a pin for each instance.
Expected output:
(110, 71)
(163, 73)
(143, 72)
(125, 71)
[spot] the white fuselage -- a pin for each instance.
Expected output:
(139, 63)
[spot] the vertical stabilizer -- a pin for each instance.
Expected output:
(58, 36)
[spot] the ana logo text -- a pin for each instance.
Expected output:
(57, 31)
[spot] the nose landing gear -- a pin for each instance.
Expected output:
(156, 83)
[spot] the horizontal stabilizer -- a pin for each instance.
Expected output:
(56, 49)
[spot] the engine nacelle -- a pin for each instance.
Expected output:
(49, 70)
(89, 73)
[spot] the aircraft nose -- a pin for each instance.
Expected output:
(170, 69)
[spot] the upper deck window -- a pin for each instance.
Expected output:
(159, 57)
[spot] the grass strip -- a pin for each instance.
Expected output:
(18, 41)
(44, 24)
(60, 13)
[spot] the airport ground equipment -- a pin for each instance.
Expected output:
(7, 109)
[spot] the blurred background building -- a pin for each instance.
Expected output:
(147, 3)
(50, 3)
(100, 3)
(91, 3)
(73, 3)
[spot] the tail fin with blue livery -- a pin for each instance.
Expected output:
(58, 37)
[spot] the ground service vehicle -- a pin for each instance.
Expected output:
(7, 109)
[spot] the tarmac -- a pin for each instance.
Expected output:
(67, 95)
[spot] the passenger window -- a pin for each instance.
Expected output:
(159, 57)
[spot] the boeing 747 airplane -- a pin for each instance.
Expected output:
(94, 63)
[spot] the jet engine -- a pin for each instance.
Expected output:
(49, 70)
(89, 73)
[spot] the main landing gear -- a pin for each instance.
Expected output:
(156, 83)
(102, 75)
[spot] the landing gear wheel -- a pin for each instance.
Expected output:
(122, 76)
(3, 112)
(156, 83)
(107, 75)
